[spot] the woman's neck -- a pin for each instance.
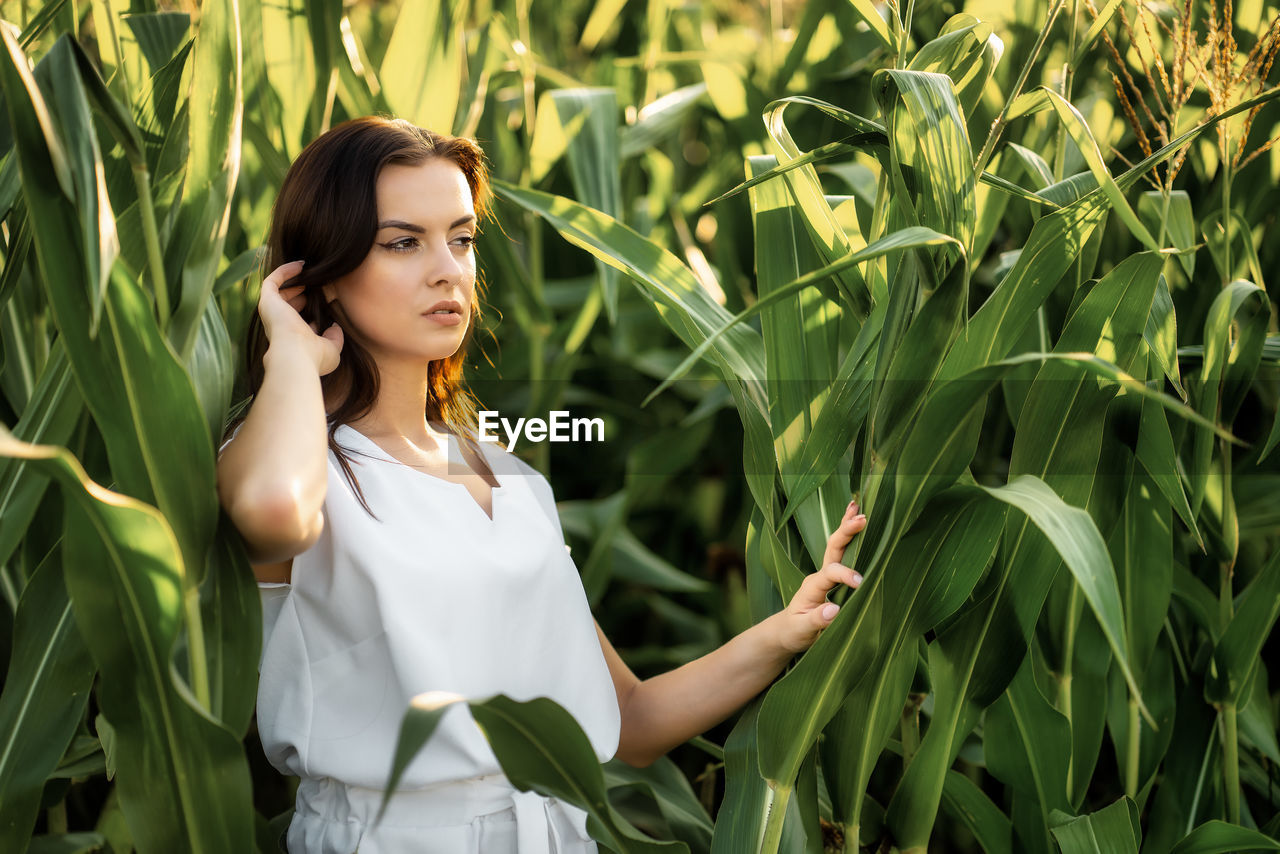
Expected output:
(400, 408)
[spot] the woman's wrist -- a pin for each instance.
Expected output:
(290, 355)
(772, 640)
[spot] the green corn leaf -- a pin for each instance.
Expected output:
(67, 843)
(1160, 692)
(849, 145)
(825, 230)
(290, 75)
(1230, 363)
(871, 626)
(969, 805)
(45, 693)
(684, 305)
(48, 418)
(908, 238)
(1161, 335)
(1055, 243)
(748, 798)
(231, 619)
(1095, 29)
(1077, 541)
(660, 119)
(951, 553)
(1171, 217)
(912, 368)
(595, 162)
(853, 740)
(1034, 750)
(138, 394)
(841, 417)
(1256, 720)
(1219, 837)
(966, 50)
(1142, 546)
(182, 778)
(41, 21)
(540, 747)
(604, 15)
(159, 35)
(801, 341)
(1156, 454)
(1078, 128)
(1111, 830)
(930, 145)
(424, 58)
(1238, 650)
(1034, 165)
(868, 12)
(64, 129)
(211, 367)
(1272, 439)
(194, 249)
(666, 786)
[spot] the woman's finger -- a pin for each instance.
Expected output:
(813, 592)
(274, 281)
(852, 524)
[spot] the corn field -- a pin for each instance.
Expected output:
(997, 269)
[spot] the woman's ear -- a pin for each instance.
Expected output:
(330, 292)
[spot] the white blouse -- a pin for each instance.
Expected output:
(432, 595)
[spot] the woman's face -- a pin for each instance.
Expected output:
(422, 259)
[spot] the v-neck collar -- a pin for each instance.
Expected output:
(452, 441)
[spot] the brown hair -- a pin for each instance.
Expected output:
(327, 215)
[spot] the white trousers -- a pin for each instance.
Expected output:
(480, 815)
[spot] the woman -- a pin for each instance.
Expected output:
(396, 555)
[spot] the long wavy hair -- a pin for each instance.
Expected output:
(327, 215)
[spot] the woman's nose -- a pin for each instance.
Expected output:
(444, 266)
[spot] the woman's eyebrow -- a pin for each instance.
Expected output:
(417, 229)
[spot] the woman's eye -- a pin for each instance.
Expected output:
(404, 244)
(465, 240)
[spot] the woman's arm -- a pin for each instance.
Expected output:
(272, 476)
(667, 710)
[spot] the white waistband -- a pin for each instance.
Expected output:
(442, 804)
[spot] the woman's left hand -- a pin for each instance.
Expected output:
(809, 612)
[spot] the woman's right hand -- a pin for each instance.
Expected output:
(280, 310)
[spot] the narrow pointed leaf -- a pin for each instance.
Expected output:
(969, 805)
(216, 103)
(684, 305)
(1239, 649)
(182, 778)
(908, 238)
(46, 690)
(1033, 754)
(1078, 128)
(1076, 539)
(1219, 837)
(424, 58)
(540, 747)
(1108, 831)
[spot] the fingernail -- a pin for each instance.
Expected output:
(829, 611)
(857, 579)
(862, 516)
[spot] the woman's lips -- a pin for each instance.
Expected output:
(444, 319)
